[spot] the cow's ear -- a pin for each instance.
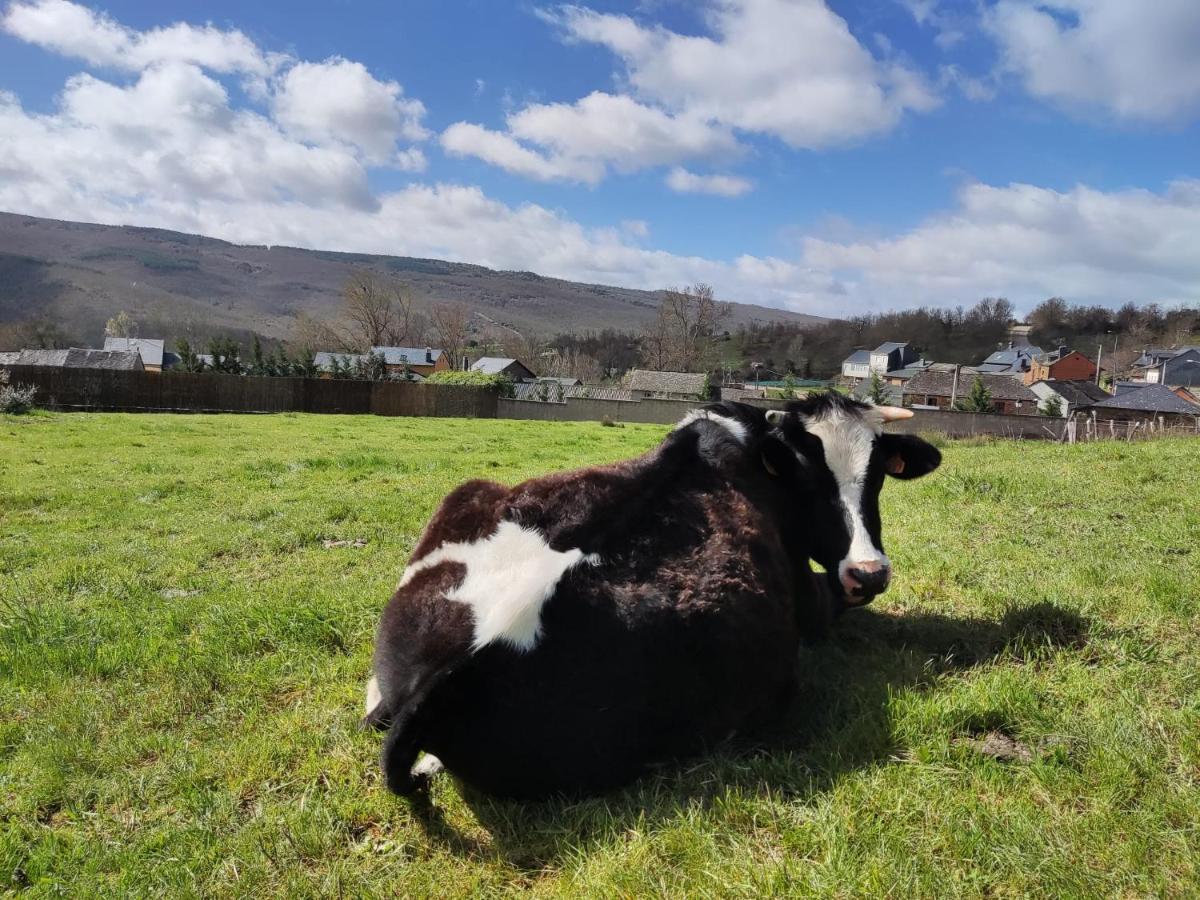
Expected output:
(778, 459)
(908, 456)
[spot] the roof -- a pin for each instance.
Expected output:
(889, 346)
(893, 394)
(667, 382)
(941, 384)
(858, 358)
(150, 349)
(1078, 392)
(1151, 398)
(412, 356)
(1012, 359)
(910, 370)
(9, 357)
(324, 359)
(81, 358)
(534, 391)
(497, 365)
(568, 381)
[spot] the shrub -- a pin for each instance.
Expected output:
(15, 399)
(502, 383)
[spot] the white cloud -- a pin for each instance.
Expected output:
(1027, 243)
(581, 141)
(340, 101)
(74, 30)
(499, 149)
(335, 104)
(788, 68)
(1135, 59)
(685, 182)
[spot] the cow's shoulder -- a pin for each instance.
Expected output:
(471, 512)
(722, 433)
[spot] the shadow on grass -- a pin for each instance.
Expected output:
(839, 723)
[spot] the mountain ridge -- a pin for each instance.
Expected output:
(179, 284)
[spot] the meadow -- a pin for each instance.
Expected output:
(187, 606)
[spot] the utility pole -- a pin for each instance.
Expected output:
(1099, 356)
(954, 387)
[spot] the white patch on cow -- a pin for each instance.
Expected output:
(428, 766)
(509, 576)
(733, 426)
(373, 696)
(848, 441)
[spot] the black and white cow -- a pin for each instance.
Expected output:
(565, 634)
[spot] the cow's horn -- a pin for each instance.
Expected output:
(895, 413)
(775, 416)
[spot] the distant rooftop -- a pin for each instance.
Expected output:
(1151, 398)
(412, 356)
(667, 382)
(150, 349)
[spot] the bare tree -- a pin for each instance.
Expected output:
(680, 337)
(377, 310)
(573, 362)
(451, 323)
(121, 325)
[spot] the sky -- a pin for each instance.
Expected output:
(831, 157)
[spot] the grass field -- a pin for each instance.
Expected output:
(182, 661)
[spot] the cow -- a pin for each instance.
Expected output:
(564, 635)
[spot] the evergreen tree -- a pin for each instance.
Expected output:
(877, 392)
(979, 400)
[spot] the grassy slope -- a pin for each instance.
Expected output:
(182, 662)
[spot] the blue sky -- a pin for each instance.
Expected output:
(825, 157)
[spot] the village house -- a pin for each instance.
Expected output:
(890, 356)
(154, 357)
(423, 361)
(1071, 395)
(857, 365)
(1013, 361)
(1155, 402)
(647, 385)
(516, 370)
(1179, 366)
(1061, 364)
(942, 390)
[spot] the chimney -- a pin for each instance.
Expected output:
(428, 354)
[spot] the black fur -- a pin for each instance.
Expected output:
(686, 633)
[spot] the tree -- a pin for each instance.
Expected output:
(189, 360)
(877, 391)
(1052, 407)
(681, 336)
(258, 362)
(377, 310)
(226, 356)
(978, 400)
(451, 324)
(121, 325)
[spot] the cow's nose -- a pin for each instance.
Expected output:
(866, 579)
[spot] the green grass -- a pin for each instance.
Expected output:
(182, 664)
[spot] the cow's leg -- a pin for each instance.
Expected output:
(376, 714)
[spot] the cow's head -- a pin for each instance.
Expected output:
(838, 454)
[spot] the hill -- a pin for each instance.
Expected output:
(174, 283)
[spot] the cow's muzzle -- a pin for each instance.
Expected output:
(863, 582)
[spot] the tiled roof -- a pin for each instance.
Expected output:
(889, 346)
(1151, 398)
(1078, 392)
(858, 358)
(82, 358)
(324, 360)
(150, 349)
(412, 356)
(691, 383)
(941, 384)
(495, 365)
